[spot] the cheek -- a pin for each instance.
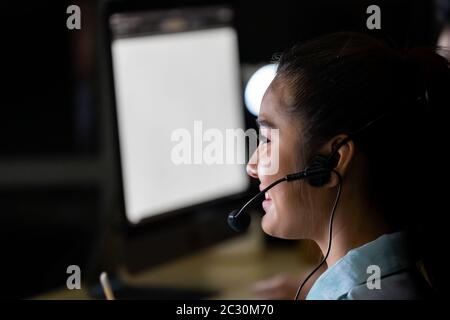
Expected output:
(287, 201)
(268, 162)
(272, 165)
(286, 217)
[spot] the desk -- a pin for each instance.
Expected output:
(231, 267)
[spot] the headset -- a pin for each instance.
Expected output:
(317, 175)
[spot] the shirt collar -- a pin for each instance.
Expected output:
(389, 252)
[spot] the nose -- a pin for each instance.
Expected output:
(252, 165)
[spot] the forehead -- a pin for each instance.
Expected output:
(275, 100)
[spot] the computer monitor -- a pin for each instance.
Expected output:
(175, 77)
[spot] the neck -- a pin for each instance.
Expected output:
(355, 223)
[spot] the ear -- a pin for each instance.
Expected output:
(343, 157)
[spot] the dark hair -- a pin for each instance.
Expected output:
(339, 83)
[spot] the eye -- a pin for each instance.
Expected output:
(263, 139)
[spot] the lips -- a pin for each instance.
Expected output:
(267, 203)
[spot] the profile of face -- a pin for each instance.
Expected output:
(292, 209)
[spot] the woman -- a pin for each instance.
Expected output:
(372, 108)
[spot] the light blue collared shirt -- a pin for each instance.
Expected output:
(389, 252)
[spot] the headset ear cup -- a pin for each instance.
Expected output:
(324, 176)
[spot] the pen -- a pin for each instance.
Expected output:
(106, 286)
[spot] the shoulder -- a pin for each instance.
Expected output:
(406, 285)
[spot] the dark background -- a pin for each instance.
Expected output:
(56, 174)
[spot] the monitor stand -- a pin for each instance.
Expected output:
(123, 291)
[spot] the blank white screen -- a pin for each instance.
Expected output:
(163, 83)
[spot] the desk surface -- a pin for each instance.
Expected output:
(230, 267)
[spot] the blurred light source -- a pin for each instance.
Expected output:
(257, 86)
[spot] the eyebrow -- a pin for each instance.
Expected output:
(265, 123)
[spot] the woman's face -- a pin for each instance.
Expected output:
(287, 214)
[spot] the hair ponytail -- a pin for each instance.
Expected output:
(433, 80)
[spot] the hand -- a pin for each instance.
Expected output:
(280, 287)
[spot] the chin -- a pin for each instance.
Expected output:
(273, 228)
(270, 226)
(267, 226)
